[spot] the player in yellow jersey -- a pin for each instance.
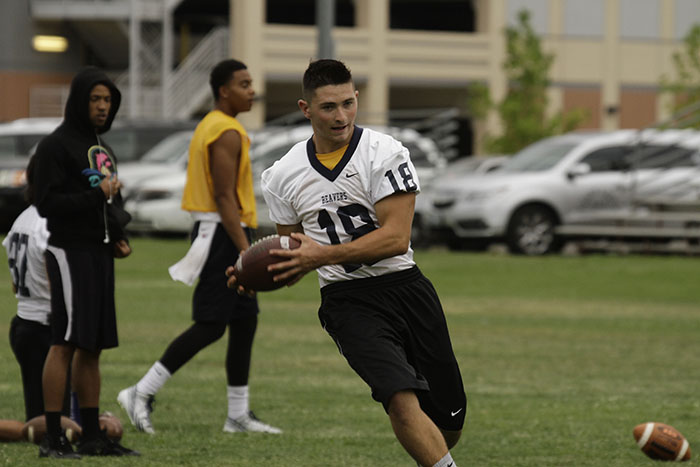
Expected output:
(219, 195)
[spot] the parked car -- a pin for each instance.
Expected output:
(557, 180)
(17, 140)
(268, 145)
(168, 156)
(131, 139)
(154, 205)
(421, 234)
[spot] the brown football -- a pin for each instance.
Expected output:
(11, 430)
(35, 429)
(251, 268)
(661, 442)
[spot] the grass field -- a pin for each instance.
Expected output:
(561, 357)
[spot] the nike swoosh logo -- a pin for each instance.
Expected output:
(455, 413)
(351, 175)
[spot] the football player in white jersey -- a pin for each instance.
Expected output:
(348, 195)
(30, 334)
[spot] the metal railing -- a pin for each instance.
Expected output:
(150, 88)
(189, 89)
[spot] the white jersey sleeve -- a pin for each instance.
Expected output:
(25, 244)
(392, 170)
(337, 205)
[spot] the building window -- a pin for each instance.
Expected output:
(539, 14)
(584, 19)
(304, 12)
(687, 16)
(433, 15)
(639, 19)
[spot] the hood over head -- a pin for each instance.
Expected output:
(77, 106)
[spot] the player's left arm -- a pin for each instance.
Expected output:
(395, 215)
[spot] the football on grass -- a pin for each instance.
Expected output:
(34, 430)
(661, 442)
(251, 268)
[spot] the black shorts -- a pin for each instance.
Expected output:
(392, 331)
(212, 301)
(82, 296)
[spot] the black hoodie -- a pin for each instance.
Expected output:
(69, 165)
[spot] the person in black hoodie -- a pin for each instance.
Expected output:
(76, 189)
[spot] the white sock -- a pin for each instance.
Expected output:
(446, 461)
(237, 401)
(153, 380)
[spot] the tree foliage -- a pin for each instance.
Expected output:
(685, 87)
(523, 111)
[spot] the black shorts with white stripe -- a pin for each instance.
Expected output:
(82, 296)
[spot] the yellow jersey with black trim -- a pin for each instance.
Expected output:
(199, 188)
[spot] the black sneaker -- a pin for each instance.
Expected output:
(57, 448)
(102, 445)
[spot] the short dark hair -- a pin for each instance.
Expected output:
(222, 74)
(324, 72)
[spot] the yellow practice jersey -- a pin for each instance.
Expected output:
(199, 188)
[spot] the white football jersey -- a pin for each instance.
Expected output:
(337, 206)
(25, 244)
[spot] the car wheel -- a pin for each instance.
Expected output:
(531, 231)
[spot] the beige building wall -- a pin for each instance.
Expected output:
(614, 79)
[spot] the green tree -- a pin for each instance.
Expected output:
(685, 87)
(523, 110)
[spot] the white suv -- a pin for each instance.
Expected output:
(558, 180)
(18, 139)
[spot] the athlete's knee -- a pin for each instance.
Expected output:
(87, 356)
(62, 351)
(451, 437)
(402, 406)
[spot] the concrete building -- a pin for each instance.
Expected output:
(404, 54)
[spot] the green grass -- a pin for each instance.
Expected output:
(561, 357)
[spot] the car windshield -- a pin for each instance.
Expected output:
(131, 143)
(538, 157)
(18, 145)
(170, 149)
(262, 160)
